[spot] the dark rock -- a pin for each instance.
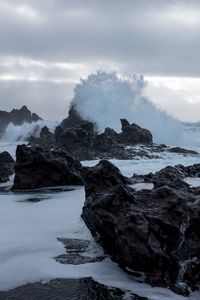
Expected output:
(45, 139)
(36, 168)
(68, 289)
(17, 117)
(80, 139)
(151, 231)
(182, 151)
(76, 252)
(6, 166)
(133, 134)
(73, 119)
(105, 173)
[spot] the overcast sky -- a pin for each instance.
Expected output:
(47, 45)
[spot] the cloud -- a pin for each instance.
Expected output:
(49, 44)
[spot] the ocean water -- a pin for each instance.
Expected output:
(29, 230)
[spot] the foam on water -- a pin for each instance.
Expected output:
(29, 233)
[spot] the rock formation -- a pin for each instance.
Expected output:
(36, 168)
(155, 232)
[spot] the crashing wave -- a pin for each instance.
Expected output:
(106, 97)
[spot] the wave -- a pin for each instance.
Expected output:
(20, 133)
(104, 98)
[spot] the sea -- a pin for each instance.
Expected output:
(30, 230)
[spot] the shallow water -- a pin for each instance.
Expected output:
(29, 232)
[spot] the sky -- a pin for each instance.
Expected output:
(47, 46)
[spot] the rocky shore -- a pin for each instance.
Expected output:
(152, 233)
(81, 140)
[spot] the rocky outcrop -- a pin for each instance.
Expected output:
(6, 166)
(133, 134)
(81, 140)
(36, 168)
(17, 117)
(155, 232)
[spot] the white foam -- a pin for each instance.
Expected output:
(20, 133)
(192, 181)
(142, 185)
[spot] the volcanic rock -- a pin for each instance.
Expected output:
(155, 232)
(133, 134)
(6, 166)
(36, 168)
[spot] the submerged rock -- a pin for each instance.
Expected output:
(155, 231)
(77, 252)
(36, 168)
(68, 289)
(6, 166)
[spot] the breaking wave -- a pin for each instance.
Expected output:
(21, 133)
(106, 97)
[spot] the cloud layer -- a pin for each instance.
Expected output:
(46, 46)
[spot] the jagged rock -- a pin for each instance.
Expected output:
(133, 134)
(79, 138)
(6, 166)
(17, 117)
(156, 232)
(73, 119)
(45, 139)
(36, 168)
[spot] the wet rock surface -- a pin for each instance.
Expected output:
(81, 140)
(151, 231)
(36, 168)
(68, 289)
(77, 252)
(6, 166)
(17, 117)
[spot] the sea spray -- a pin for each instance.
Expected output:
(20, 133)
(106, 97)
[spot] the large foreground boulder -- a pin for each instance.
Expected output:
(36, 168)
(155, 232)
(6, 166)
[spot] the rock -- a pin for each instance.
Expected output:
(36, 168)
(155, 231)
(17, 117)
(68, 289)
(6, 166)
(77, 252)
(105, 172)
(77, 141)
(133, 134)
(73, 119)
(45, 139)
(80, 139)
(182, 151)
